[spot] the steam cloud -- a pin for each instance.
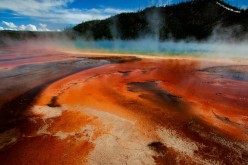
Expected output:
(220, 43)
(146, 45)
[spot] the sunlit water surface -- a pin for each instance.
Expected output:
(153, 47)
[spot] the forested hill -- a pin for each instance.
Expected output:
(197, 19)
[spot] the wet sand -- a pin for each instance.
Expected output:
(127, 110)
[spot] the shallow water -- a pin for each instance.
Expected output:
(154, 47)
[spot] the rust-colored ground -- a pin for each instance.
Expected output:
(147, 111)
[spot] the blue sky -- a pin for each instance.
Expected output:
(43, 15)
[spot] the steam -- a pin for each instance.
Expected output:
(154, 20)
(155, 47)
(222, 43)
(147, 46)
(219, 44)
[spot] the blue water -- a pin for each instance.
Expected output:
(147, 47)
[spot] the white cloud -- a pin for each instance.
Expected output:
(43, 27)
(31, 27)
(56, 11)
(22, 27)
(28, 27)
(10, 25)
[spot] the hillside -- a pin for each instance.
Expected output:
(197, 19)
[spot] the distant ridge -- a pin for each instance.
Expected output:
(196, 19)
